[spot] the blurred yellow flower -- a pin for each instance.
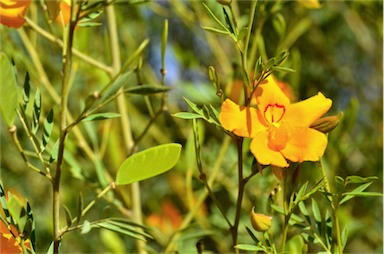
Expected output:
(12, 12)
(280, 130)
(310, 4)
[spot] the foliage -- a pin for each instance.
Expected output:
(117, 109)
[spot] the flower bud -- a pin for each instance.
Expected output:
(326, 124)
(260, 222)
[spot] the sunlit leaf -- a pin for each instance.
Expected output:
(54, 152)
(355, 192)
(148, 163)
(86, 227)
(359, 179)
(8, 90)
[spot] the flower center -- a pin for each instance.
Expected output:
(278, 135)
(274, 113)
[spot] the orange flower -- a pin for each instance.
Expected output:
(65, 8)
(280, 130)
(12, 12)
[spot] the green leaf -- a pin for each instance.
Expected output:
(215, 30)
(36, 112)
(4, 204)
(359, 179)
(316, 211)
(17, 212)
(8, 90)
(147, 89)
(187, 115)
(48, 125)
(26, 92)
(301, 192)
(68, 216)
(344, 237)
(31, 232)
(86, 227)
(215, 18)
(100, 116)
(54, 152)
(283, 69)
(248, 247)
(254, 238)
(355, 192)
(148, 163)
(109, 226)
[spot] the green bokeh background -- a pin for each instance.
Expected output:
(336, 49)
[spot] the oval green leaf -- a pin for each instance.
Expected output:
(8, 90)
(148, 163)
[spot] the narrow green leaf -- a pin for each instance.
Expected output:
(68, 216)
(364, 194)
(54, 152)
(109, 226)
(316, 211)
(8, 90)
(359, 179)
(229, 22)
(215, 18)
(147, 89)
(4, 204)
(303, 209)
(356, 191)
(344, 237)
(187, 115)
(254, 238)
(31, 235)
(215, 30)
(26, 92)
(194, 107)
(283, 69)
(148, 163)
(248, 247)
(17, 212)
(86, 227)
(113, 87)
(36, 111)
(48, 125)
(301, 192)
(339, 179)
(100, 116)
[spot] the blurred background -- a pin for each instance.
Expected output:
(336, 49)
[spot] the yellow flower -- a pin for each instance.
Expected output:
(260, 222)
(12, 12)
(280, 130)
(310, 4)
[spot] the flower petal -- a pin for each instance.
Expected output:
(263, 154)
(269, 93)
(305, 112)
(243, 121)
(306, 144)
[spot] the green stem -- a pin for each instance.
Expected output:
(67, 65)
(336, 234)
(126, 126)
(241, 183)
